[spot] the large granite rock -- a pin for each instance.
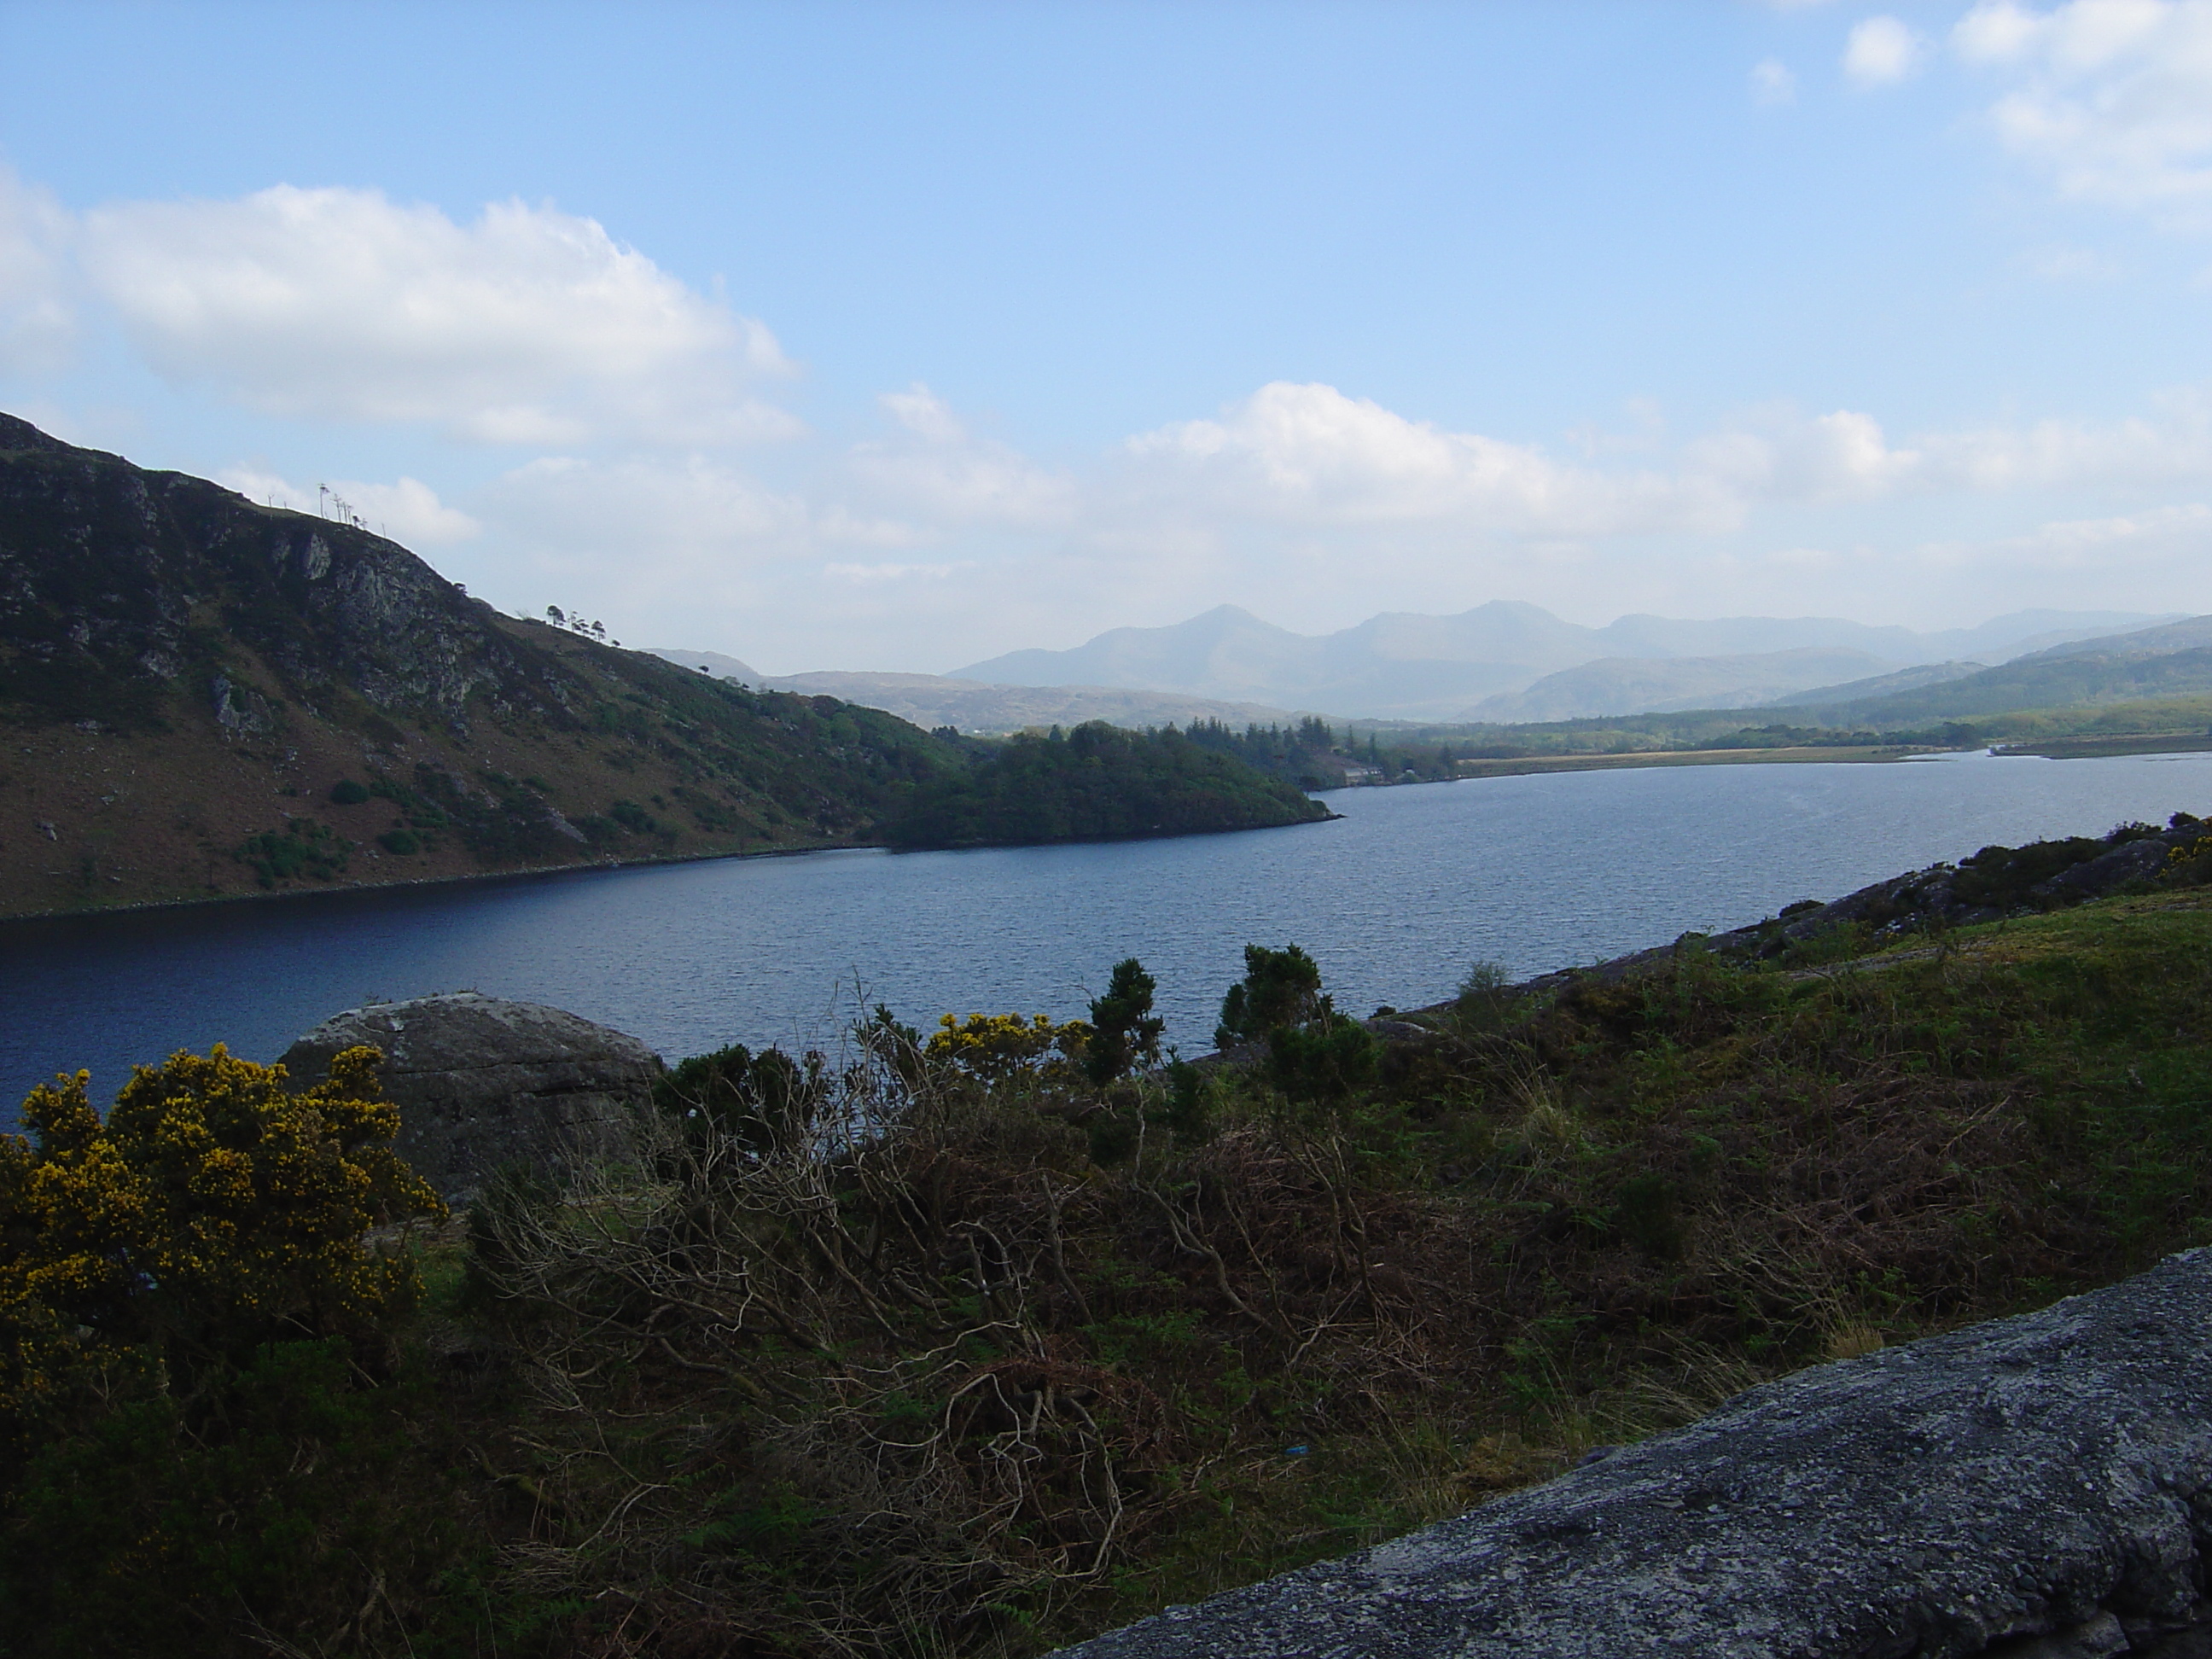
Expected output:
(2031, 1487)
(481, 1083)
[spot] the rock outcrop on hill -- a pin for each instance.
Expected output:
(2033, 1488)
(483, 1084)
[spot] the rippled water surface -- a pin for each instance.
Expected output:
(1395, 901)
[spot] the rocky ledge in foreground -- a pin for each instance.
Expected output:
(2035, 1487)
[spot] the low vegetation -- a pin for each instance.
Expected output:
(2182, 721)
(976, 1344)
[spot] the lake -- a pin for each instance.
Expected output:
(1395, 901)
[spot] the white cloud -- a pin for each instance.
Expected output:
(648, 518)
(2172, 445)
(1311, 454)
(38, 323)
(1771, 82)
(1781, 456)
(1882, 51)
(409, 511)
(1845, 456)
(925, 414)
(937, 470)
(876, 575)
(528, 325)
(2113, 99)
(1309, 504)
(2171, 536)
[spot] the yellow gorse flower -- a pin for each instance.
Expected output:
(997, 1047)
(213, 1208)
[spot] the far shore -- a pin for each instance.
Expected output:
(2072, 749)
(539, 871)
(2176, 743)
(1809, 753)
(522, 872)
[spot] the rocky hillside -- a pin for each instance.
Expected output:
(202, 697)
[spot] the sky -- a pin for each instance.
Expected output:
(893, 337)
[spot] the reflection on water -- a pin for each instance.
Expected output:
(1395, 901)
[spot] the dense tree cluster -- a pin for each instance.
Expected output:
(1098, 783)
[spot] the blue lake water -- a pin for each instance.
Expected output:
(1396, 902)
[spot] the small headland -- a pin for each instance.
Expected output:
(1098, 783)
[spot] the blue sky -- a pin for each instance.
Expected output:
(894, 337)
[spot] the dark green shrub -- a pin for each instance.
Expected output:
(167, 1524)
(2000, 877)
(1192, 1097)
(1323, 1062)
(1279, 987)
(347, 792)
(1484, 995)
(301, 847)
(403, 842)
(1113, 1139)
(1124, 1030)
(767, 1100)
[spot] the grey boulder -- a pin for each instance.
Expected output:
(2035, 1488)
(483, 1084)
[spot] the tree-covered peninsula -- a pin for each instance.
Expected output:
(1098, 783)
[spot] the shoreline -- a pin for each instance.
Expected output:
(1800, 755)
(2084, 749)
(540, 872)
(335, 890)
(2173, 743)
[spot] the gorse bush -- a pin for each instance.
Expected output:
(212, 1211)
(999, 1047)
(186, 1303)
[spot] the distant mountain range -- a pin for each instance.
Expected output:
(1503, 662)
(1509, 661)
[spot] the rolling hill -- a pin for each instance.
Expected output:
(200, 696)
(2169, 660)
(1404, 665)
(1636, 685)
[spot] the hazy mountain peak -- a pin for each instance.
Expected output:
(1411, 665)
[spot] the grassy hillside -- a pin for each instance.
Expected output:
(2155, 684)
(2073, 678)
(1035, 1354)
(186, 677)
